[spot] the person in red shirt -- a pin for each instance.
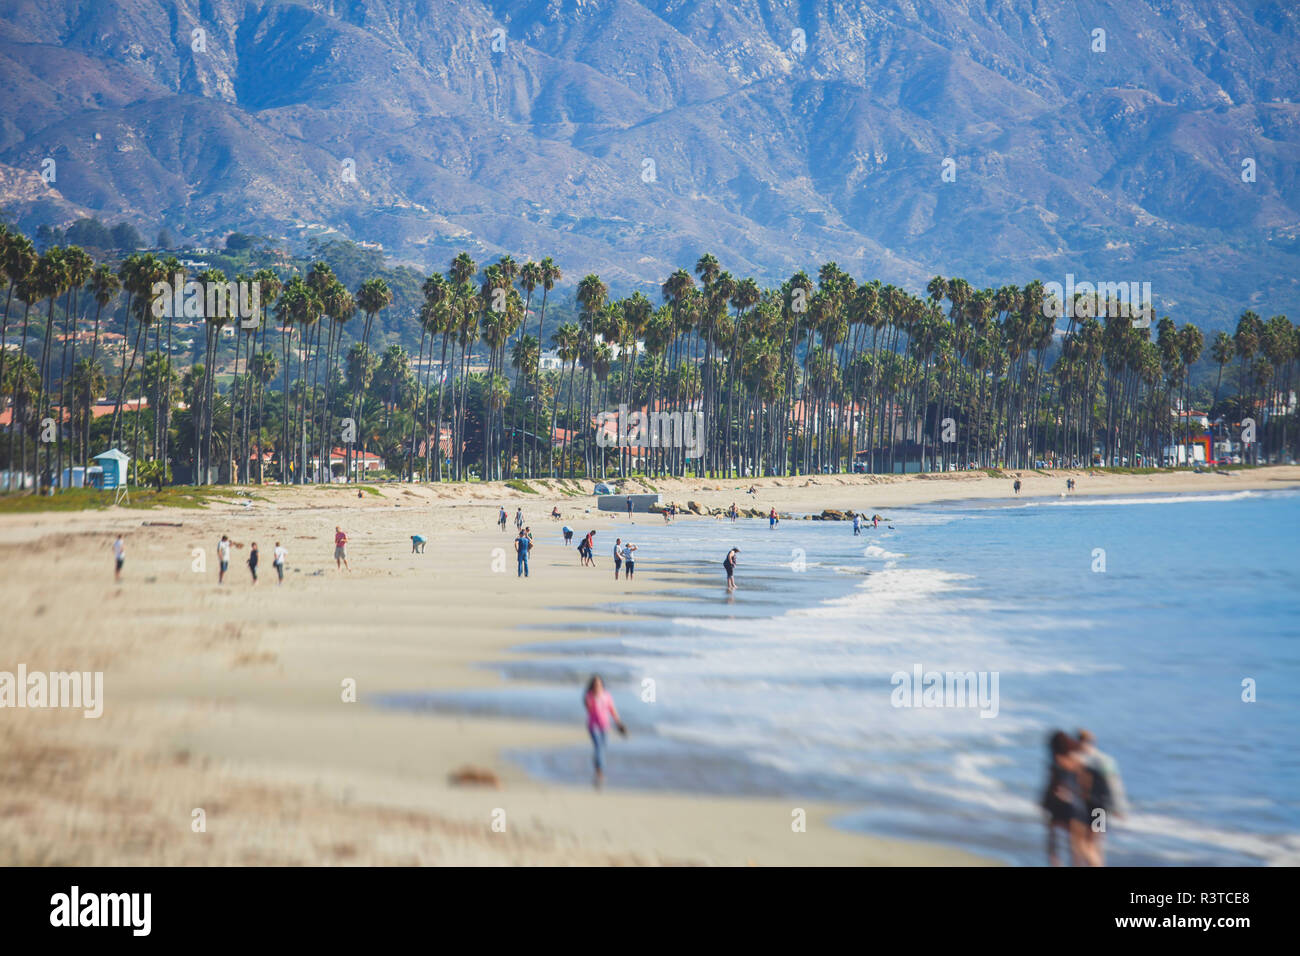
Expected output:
(341, 549)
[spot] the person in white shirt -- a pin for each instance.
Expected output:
(223, 556)
(119, 556)
(277, 559)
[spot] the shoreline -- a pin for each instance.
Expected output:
(233, 706)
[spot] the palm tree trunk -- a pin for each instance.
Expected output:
(415, 418)
(69, 339)
(126, 369)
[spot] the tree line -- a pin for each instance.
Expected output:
(813, 375)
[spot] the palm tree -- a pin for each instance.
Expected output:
(138, 274)
(312, 308)
(523, 359)
(22, 379)
(798, 289)
(1278, 346)
(162, 415)
(329, 293)
(373, 296)
(52, 278)
(212, 326)
(269, 287)
(1247, 340)
(1222, 351)
(548, 275)
(494, 326)
(17, 260)
(88, 381)
(591, 297)
(439, 314)
(530, 277)
(568, 345)
(676, 291)
(1190, 344)
(744, 296)
(300, 308)
(104, 286)
(265, 369)
(430, 322)
(77, 269)
(470, 306)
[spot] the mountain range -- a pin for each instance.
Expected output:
(1137, 140)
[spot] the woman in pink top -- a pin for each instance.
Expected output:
(600, 711)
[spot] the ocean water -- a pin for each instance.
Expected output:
(1138, 618)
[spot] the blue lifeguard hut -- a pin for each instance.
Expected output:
(113, 462)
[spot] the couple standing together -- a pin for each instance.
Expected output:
(1083, 791)
(523, 546)
(624, 555)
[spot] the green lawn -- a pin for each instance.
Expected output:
(85, 499)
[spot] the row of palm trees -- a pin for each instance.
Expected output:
(813, 375)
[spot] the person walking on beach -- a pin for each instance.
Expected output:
(252, 561)
(277, 561)
(1063, 800)
(629, 507)
(857, 524)
(501, 519)
(523, 544)
(341, 549)
(629, 560)
(618, 556)
(119, 557)
(734, 513)
(1105, 793)
(729, 565)
(1016, 486)
(223, 558)
(586, 549)
(519, 519)
(600, 712)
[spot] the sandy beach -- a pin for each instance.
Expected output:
(230, 699)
